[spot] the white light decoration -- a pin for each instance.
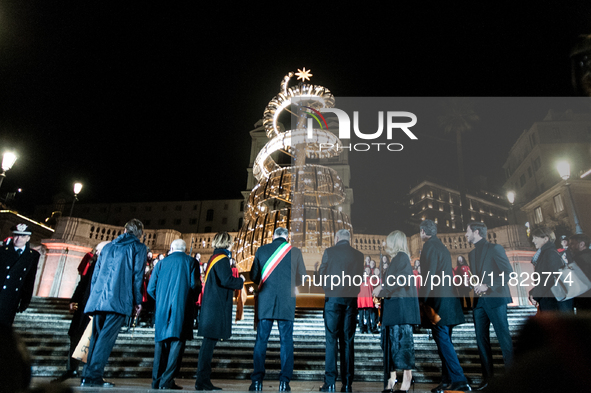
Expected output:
(511, 197)
(77, 188)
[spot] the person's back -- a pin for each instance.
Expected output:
(117, 280)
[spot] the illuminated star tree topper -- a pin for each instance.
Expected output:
(303, 74)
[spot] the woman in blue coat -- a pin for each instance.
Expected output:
(215, 322)
(400, 312)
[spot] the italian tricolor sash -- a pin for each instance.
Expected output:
(274, 260)
(214, 260)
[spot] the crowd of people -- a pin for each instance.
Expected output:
(121, 280)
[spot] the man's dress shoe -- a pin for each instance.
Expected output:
(96, 383)
(255, 386)
(327, 388)
(441, 387)
(483, 385)
(173, 387)
(207, 387)
(459, 387)
(284, 387)
(346, 388)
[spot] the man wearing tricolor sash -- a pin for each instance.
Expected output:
(277, 269)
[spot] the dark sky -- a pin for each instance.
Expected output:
(154, 101)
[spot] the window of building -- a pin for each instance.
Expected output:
(242, 206)
(522, 180)
(209, 215)
(225, 206)
(558, 205)
(194, 207)
(178, 208)
(224, 220)
(177, 221)
(538, 218)
(193, 221)
(537, 164)
(162, 221)
(164, 208)
(148, 208)
(240, 220)
(529, 171)
(207, 229)
(132, 209)
(147, 222)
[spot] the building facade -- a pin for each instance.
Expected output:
(433, 201)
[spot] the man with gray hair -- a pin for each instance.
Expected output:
(340, 309)
(277, 269)
(173, 284)
(115, 292)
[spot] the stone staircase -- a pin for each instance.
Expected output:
(45, 324)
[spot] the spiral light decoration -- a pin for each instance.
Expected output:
(301, 197)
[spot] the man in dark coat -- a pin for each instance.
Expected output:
(18, 268)
(340, 309)
(438, 293)
(79, 320)
(115, 293)
(173, 284)
(277, 269)
(492, 297)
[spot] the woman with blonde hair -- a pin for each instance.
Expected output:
(215, 322)
(401, 311)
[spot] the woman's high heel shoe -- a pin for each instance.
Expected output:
(391, 386)
(412, 385)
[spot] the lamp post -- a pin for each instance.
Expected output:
(563, 168)
(77, 188)
(7, 163)
(511, 199)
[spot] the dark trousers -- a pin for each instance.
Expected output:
(264, 327)
(551, 304)
(168, 356)
(204, 362)
(450, 364)
(105, 329)
(339, 323)
(483, 317)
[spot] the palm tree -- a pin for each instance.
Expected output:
(459, 117)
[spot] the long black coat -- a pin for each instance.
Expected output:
(173, 284)
(215, 320)
(493, 259)
(401, 304)
(338, 260)
(436, 260)
(17, 280)
(548, 261)
(276, 297)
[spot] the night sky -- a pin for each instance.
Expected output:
(154, 102)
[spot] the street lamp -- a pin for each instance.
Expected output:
(511, 199)
(77, 189)
(563, 168)
(7, 163)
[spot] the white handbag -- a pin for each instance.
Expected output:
(571, 283)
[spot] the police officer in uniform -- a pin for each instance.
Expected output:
(18, 267)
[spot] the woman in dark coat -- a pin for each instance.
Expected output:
(215, 321)
(545, 261)
(401, 311)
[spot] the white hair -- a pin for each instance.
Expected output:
(178, 245)
(343, 234)
(281, 232)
